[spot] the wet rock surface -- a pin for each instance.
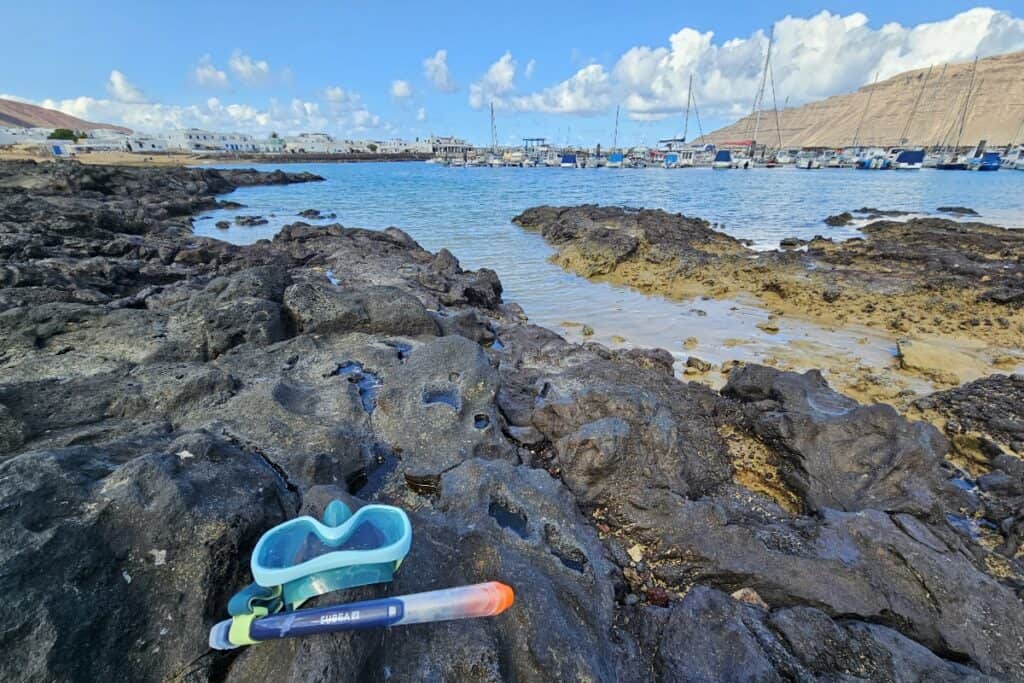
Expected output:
(923, 274)
(165, 399)
(917, 279)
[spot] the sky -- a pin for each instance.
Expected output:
(411, 69)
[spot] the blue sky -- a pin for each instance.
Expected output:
(551, 69)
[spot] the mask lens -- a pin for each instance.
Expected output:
(300, 543)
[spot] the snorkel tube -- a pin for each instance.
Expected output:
(463, 602)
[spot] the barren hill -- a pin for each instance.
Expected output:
(24, 115)
(996, 110)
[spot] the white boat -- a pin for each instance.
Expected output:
(615, 160)
(906, 159)
(1014, 159)
(568, 160)
(785, 157)
(495, 161)
(687, 158)
(723, 159)
(808, 160)
(873, 159)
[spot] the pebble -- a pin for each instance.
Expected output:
(698, 364)
(751, 597)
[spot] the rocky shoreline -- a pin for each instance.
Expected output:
(956, 290)
(166, 398)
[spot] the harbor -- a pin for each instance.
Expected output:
(674, 344)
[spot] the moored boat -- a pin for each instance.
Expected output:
(988, 161)
(568, 160)
(908, 159)
(874, 160)
(808, 160)
(952, 163)
(723, 159)
(1014, 159)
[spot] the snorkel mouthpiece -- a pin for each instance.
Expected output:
(463, 602)
(219, 636)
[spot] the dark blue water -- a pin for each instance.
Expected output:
(468, 210)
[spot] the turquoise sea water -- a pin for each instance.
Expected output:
(469, 211)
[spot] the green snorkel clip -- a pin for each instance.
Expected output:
(303, 557)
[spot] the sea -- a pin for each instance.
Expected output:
(470, 211)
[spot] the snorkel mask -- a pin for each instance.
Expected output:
(304, 557)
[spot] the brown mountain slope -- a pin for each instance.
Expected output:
(23, 115)
(995, 114)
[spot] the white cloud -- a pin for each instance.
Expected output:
(436, 70)
(348, 107)
(498, 80)
(401, 89)
(421, 114)
(812, 58)
(588, 91)
(247, 69)
(345, 116)
(121, 90)
(528, 71)
(362, 119)
(341, 99)
(208, 75)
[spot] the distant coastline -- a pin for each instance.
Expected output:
(182, 159)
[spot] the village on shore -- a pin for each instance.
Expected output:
(451, 151)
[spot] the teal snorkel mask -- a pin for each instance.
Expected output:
(304, 557)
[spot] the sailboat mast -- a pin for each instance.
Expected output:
(686, 117)
(494, 132)
(906, 127)
(967, 102)
(615, 137)
(696, 115)
(760, 90)
(775, 106)
(867, 105)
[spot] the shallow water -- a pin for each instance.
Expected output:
(469, 211)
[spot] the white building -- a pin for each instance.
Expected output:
(405, 147)
(271, 146)
(314, 143)
(17, 136)
(143, 144)
(196, 140)
(447, 146)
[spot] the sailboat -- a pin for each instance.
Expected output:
(872, 159)
(615, 157)
(494, 159)
(1014, 158)
(685, 157)
(953, 162)
(767, 77)
(903, 159)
